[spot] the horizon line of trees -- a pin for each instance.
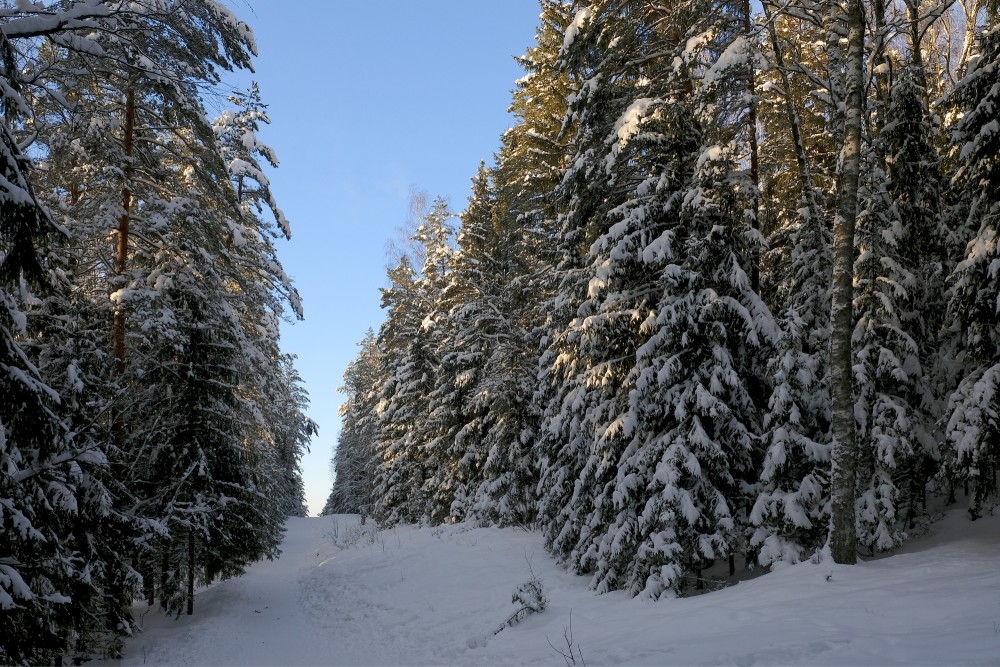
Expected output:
(729, 288)
(150, 425)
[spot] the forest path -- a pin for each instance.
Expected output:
(345, 594)
(342, 593)
(263, 617)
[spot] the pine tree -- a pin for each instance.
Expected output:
(269, 382)
(111, 106)
(59, 550)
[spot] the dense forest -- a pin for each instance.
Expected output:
(150, 426)
(728, 291)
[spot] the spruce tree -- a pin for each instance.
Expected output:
(655, 333)
(354, 459)
(898, 303)
(580, 371)
(530, 166)
(37, 463)
(791, 513)
(398, 477)
(414, 458)
(972, 406)
(111, 105)
(488, 365)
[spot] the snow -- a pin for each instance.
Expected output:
(710, 154)
(345, 594)
(579, 22)
(227, 16)
(11, 580)
(626, 128)
(736, 55)
(74, 17)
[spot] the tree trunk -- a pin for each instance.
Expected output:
(843, 532)
(801, 157)
(916, 55)
(190, 595)
(879, 54)
(148, 586)
(121, 251)
(754, 148)
(121, 263)
(164, 568)
(969, 45)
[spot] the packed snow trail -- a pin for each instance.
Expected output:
(344, 594)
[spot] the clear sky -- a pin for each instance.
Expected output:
(368, 101)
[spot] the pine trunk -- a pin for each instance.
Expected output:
(190, 595)
(794, 124)
(118, 326)
(164, 568)
(916, 54)
(121, 263)
(754, 147)
(121, 251)
(969, 45)
(843, 532)
(148, 586)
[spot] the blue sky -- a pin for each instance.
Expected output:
(369, 101)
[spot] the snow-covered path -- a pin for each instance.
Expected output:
(342, 594)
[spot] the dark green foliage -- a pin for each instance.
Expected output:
(973, 428)
(899, 304)
(597, 357)
(140, 469)
(353, 462)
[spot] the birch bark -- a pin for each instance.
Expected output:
(843, 531)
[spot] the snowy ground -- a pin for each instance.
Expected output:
(340, 595)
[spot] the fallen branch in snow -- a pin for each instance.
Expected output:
(530, 595)
(532, 599)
